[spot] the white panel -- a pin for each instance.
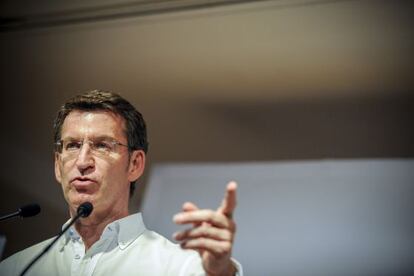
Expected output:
(301, 218)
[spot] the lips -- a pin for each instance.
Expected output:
(83, 184)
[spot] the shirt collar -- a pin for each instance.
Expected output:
(126, 229)
(129, 229)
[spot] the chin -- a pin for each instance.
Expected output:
(79, 199)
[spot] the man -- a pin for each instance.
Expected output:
(100, 151)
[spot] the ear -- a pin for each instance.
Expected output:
(136, 165)
(57, 168)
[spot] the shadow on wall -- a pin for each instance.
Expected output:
(288, 130)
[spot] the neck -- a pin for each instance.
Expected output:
(91, 228)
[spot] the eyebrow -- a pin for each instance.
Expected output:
(100, 137)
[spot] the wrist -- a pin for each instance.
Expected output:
(230, 270)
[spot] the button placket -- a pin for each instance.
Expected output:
(79, 252)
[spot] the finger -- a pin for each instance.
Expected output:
(217, 248)
(204, 231)
(203, 216)
(229, 202)
(189, 206)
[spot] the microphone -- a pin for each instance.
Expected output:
(84, 210)
(28, 210)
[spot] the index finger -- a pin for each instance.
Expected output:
(229, 202)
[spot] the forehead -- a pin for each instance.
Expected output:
(80, 123)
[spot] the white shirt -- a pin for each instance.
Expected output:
(126, 247)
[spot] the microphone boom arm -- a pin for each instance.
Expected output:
(15, 214)
(84, 210)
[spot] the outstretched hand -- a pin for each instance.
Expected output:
(212, 232)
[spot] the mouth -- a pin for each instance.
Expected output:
(83, 184)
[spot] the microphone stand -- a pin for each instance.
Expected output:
(28, 210)
(15, 214)
(82, 212)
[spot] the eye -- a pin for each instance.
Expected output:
(103, 146)
(72, 145)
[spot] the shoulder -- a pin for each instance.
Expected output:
(14, 264)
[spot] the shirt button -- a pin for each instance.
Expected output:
(77, 256)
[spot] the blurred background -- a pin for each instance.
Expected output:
(217, 81)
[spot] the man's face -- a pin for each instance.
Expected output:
(100, 179)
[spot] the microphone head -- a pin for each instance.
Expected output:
(29, 210)
(85, 209)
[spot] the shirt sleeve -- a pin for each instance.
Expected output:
(238, 267)
(192, 266)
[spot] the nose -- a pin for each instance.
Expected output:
(85, 161)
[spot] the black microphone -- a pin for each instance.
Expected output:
(24, 212)
(84, 210)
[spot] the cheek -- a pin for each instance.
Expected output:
(65, 168)
(115, 176)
